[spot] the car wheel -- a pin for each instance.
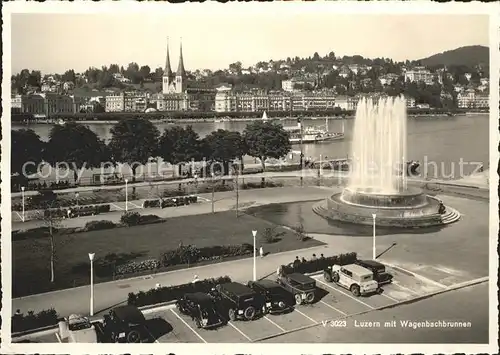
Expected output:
(298, 299)
(197, 322)
(335, 277)
(310, 297)
(327, 276)
(355, 290)
(249, 313)
(133, 337)
(232, 314)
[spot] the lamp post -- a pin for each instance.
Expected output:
(22, 194)
(126, 195)
(254, 233)
(213, 192)
(76, 196)
(374, 238)
(91, 257)
(237, 191)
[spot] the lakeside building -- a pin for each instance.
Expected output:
(472, 99)
(420, 74)
(46, 104)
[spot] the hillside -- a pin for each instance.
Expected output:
(469, 56)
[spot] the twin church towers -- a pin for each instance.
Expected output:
(174, 83)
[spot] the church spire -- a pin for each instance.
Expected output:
(168, 69)
(180, 70)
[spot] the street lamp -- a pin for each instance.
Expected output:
(254, 233)
(237, 191)
(213, 192)
(77, 195)
(126, 195)
(374, 238)
(91, 257)
(22, 194)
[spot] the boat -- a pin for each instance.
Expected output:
(264, 116)
(300, 135)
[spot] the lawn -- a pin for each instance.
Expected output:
(31, 273)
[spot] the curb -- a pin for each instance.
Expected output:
(396, 304)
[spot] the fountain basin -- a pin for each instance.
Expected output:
(410, 210)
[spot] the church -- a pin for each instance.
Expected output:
(181, 94)
(174, 83)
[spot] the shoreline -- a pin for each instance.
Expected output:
(242, 119)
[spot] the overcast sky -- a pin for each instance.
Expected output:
(57, 42)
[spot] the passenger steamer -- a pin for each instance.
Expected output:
(313, 134)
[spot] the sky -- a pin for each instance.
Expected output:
(54, 43)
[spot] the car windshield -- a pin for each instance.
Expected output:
(305, 286)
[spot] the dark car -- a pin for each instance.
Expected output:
(126, 324)
(238, 301)
(277, 298)
(301, 286)
(201, 308)
(379, 273)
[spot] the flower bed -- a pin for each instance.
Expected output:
(32, 320)
(98, 225)
(259, 185)
(170, 293)
(89, 210)
(170, 202)
(189, 254)
(320, 264)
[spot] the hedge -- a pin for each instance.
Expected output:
(320, 264)
(32, 320)
(259, 185)
(170, 202)
(170, 293)
(98, 225)
(88, 210)
(189, 254)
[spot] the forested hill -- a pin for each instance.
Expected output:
(469, 56)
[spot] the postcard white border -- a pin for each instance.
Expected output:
(297, 8)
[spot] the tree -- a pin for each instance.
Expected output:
(53, 221)
(74, 146)
(179, 145)
(224, 146)
(133, 141)
(26, 147)
(144, 72)
(266, 140)
(69, 75)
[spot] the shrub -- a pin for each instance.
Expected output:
(131, 218)
(300, 232)
(259, 185)
(149, 219)
(151, 204)
(88, 210)
(32, 320)
(170, 202)
(170, 293)
(320, 264)
(99, 225)
(270, 235)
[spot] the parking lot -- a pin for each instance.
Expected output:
(333, 302)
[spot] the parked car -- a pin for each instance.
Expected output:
(126, 324)
(302, 287)
(201, 308)
(379, 273)
(355, 278)
(278, 299)
(238, 301)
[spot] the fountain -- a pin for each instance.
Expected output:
(378, 176)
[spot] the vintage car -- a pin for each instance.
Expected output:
(278, 299)
(238, 301)
(302, 287)
(379, 273)
(355, 278)
(201, 308)
(77, 329)
(126, 324)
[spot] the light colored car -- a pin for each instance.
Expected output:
(355, 278)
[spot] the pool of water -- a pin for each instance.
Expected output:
(296, 213)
